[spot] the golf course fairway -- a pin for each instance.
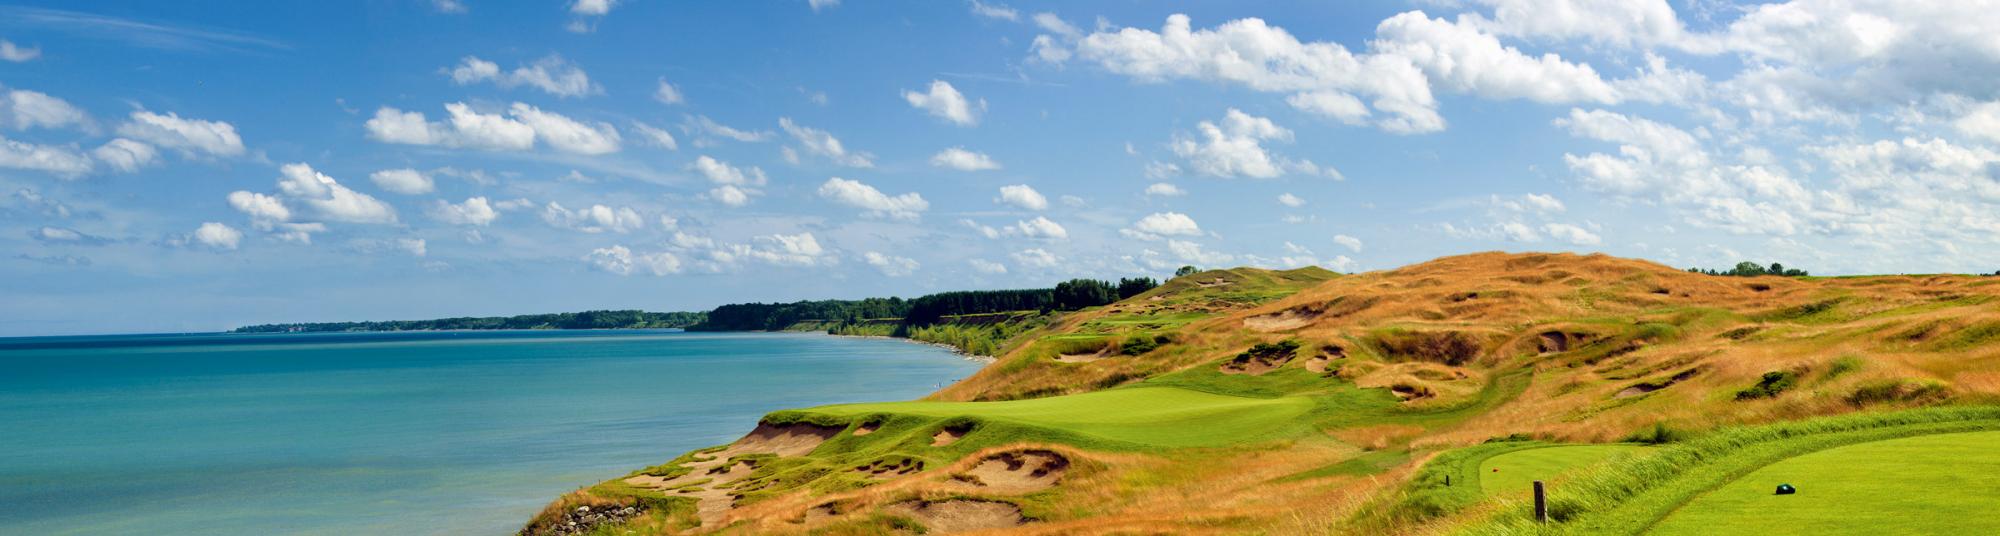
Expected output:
(1152, 416)
(1933, 484)
(1517, 471)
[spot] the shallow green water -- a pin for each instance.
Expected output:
(404, 433)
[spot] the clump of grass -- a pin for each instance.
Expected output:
(1773, 383)
(1843, 365)
(1284, 348)
(1517, 436)
(1819, 311)
(1973, 336)
(1661, 433)
(1742, 332)
(1882, 391)
(1141, 344)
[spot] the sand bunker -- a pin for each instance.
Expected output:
(795, 439)
(1327, 353)
(887, 469)
(1261, 358)
(1557, 341)
(710, 478)
(867, 428)
(1016, 472)
(1082, 358)
(1648, 387)
(960, 515)
(949, 435)
(1289, 319)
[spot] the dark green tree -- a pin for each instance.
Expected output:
(1747, 269)
(1135, 286)
(1080, 293)
(1186, 271)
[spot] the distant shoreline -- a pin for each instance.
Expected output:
(953, 349)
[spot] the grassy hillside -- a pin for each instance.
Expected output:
(1303, 401)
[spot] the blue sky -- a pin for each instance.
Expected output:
(198, 166)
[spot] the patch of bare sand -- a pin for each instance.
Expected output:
(960, 515)
(1020, 471)
(1255, 364)
(709, 479)
(1083, 358)
(1317, 364)
(1289, 319)
(948, 436)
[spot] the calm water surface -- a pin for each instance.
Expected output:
(395, 433)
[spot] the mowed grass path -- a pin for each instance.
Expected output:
(1519, 470)
(1933, 484)
(1153, 416)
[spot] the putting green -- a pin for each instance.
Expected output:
(1934, 484)
(1518, 470)
(1158, 416)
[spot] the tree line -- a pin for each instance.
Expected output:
(925, 310)
(776, 316)
(1751, 269)
(624, 319)
(921, 311)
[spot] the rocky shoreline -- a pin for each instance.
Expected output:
(582, 520)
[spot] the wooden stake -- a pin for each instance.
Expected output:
(1541, 503)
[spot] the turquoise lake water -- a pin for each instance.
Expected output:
(391, 433)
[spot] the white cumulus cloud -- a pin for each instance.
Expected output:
(1022, 195)
(218, 236)
(821, 143)
(963, 160)
(1162, 224)
(875, 203)
(945, 102)
(551, 74)
(474, 211)
(404, 181)
(593, 219)
(190, 136)
(891, 265)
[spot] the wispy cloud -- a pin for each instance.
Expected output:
(139, 33)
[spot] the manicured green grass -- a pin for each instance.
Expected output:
(1517, 470)
(1936, 484)
(1148, 416)
(1633, 496)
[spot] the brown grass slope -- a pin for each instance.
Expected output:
(1587, 347)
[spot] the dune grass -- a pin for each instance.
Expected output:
(1935, 484)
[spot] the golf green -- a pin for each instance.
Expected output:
(1934, 484)
(1514, 473)
(1158, 416)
